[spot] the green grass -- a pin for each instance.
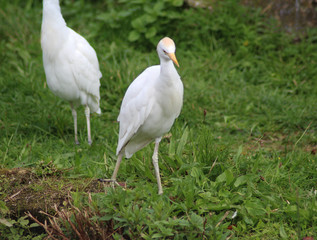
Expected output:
(249, 107)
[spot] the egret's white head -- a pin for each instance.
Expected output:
(166, 50)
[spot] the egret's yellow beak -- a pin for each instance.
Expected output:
(173, 58)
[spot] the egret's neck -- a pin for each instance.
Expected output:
(167, 68)
(54, 29)
(52, 13)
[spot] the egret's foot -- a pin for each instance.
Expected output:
(89, 142)
(111, 181)
(76, 142)
(160, 192)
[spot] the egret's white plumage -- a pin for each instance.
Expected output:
(70, 63)
(150, 106)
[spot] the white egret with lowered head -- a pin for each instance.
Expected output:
(149, 108)
(70, 63)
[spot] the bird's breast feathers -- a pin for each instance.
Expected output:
(148, 106)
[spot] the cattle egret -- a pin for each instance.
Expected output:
(149, 108)
(70, 63)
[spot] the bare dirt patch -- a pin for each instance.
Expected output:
(24, 191)
(46, 199)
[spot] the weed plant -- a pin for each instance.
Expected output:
(239, 162)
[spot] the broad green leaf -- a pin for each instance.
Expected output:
(182, 222)
(229, 177)
(195, 172)
(178, 3)
(226, 176)
(151, 32)
(218, 207)
(237, 156)
(158, 7)
(174, 15)
(157, 235)
(133, 36)
(255, 208)
(291, 208)
(224, 193)
(3, 208)
(34, 225)
(5, 222)
(197, 220)
(148, 9)
(205, 195)
(23, 222)
(172, 147)
(166, 231)
(138, 23)
(182, 142)
(124, 14)
(221, 178)
(282, 232)
(105, 218)
(241, 180)
(247, 220)
(148, 18)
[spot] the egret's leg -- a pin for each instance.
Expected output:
(116, 169)
(87, 113)
(75, 123)
(156, 166)
(113, 180)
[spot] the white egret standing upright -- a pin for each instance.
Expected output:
(150, 106)
(70, 63)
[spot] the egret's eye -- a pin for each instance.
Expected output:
(164, 51)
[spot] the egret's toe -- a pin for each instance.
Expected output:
(112, 182)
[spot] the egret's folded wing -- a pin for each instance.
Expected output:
(85, 68)
(136, 105)
(86, 50)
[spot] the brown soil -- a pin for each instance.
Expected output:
(24, 191)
